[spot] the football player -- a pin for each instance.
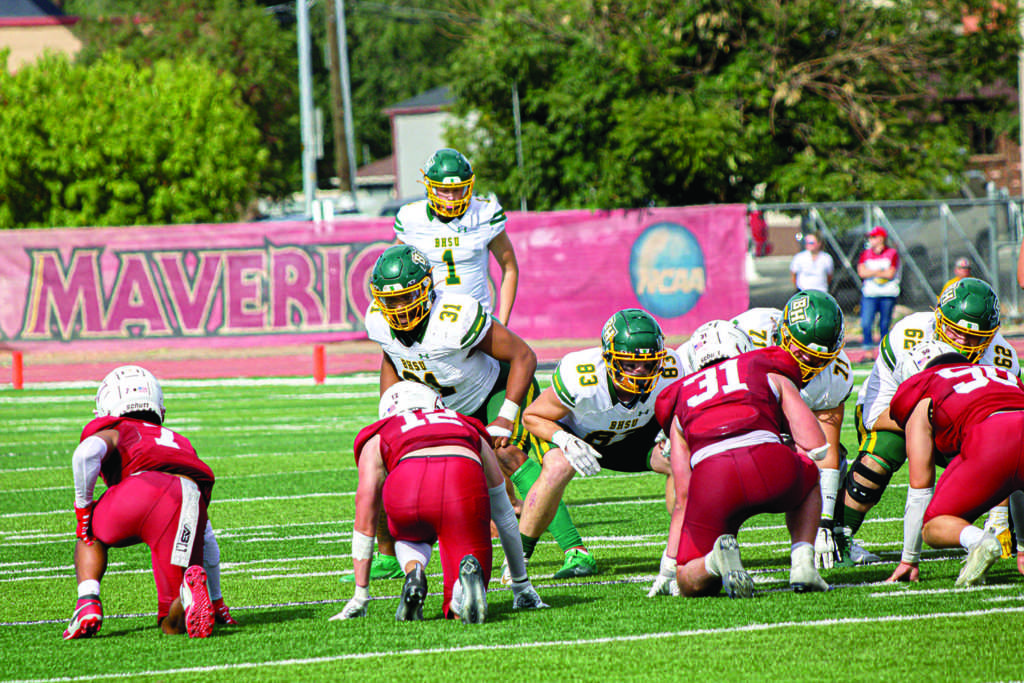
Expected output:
(966, 318)
(810, 327)
(600, 407)
(419, 445)
(957, 414)
(458, 231)
(158, 492)
(451, 343)
(725, 423)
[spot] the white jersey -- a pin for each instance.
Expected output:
(877, 391)
(829, 388)
(443, 358)
(458, 250)
(582, 385)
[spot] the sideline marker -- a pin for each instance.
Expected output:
(18, 371)
(318, 364)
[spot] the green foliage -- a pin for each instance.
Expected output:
(235, 37)
(118, 144)
(662, 103)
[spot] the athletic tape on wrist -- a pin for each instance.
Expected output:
(498, 432)
(561, 438)
(509, 410)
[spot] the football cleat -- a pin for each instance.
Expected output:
(578, 562)
(473, 605)
(850, 550)
(980, 557)
(86, 619)
(528, 599)
(381, 567)
(803, 577)
(196, 601)
(221, 615)
(725, 560)
(414, 592)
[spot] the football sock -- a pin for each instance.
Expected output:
(561, 527)
(852, 519)
(970, 535)
(90, 588)
(528, 545)
(211, 562)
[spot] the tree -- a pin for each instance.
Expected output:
(114, 143)
(663, 103)
(236, 37)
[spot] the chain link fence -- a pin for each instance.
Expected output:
(930, 237)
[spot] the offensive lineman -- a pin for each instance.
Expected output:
(600, 406)
(449, 342)
(458, 231)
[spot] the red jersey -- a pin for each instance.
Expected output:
(962, 396)
(729, 398)
(144, 446)
(400, 434)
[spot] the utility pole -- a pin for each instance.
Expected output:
(306, 107)
(346, 94)
(337, 125)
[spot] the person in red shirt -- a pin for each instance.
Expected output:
(729, 462)
(879, 269)
(435, 474)
(157, 493)
(956, 414)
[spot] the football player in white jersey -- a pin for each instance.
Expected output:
(598, 412)
(966, 318)
(458, 232)
(451, 343)
(811, 328)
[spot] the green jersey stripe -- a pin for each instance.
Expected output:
(472, 336)
(888, 355)
(560, 389)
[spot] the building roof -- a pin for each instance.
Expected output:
(432, 100)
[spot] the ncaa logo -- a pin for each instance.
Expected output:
(666, 268)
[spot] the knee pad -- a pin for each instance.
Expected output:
(864, 494)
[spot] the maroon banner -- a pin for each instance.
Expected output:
(290, 282)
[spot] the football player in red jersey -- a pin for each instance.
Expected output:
(158, 491)
(956, 414)
(435, 474)
(725, 422)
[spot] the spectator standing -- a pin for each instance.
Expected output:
(812, 268)
(879, 269)
(961, 269)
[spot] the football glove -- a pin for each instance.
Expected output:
(525, 596)
(356, 607)
(83, 529)
(826, 552)
(578, 452)
(664, 585)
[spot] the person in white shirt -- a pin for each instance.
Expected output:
(812, 268)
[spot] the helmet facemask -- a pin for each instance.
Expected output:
(449, 180)
(633, 349)
(631, 378)
(812, 331)
(967, 317)
(404, 308)
(971, 343)
(811, 360)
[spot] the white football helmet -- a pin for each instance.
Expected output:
(914, 360)
(713, 341)
(405, 396)
(129, 389)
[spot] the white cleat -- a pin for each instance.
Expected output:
(980, 557)
(725, 560)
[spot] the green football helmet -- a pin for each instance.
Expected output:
(402, 286)
(967, 317)
(812, 331)
(633, 348)
(449, 180)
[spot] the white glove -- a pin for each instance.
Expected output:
(825, 549)
(356, 607)
(525, 596)
(578, 452)
(664, 585)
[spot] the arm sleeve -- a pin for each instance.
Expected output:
(85, 464)
(913, 518)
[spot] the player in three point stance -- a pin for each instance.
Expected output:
(967, 318)
(420, 446)
(810, 327)
(725, 425)
(600, 407)
(449, 342)
(158, 492)
(958, 414)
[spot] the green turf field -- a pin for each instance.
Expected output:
(283, 507)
